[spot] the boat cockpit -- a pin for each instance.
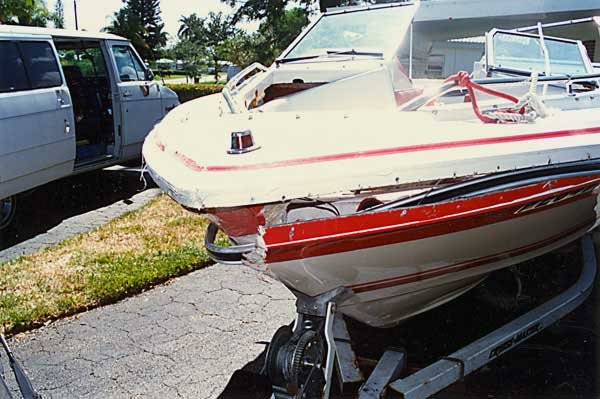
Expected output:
(337, 65)
(339, 55)
(362, 59)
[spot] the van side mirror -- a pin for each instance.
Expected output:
(149, 74)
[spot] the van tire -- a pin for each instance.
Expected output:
(8, 210)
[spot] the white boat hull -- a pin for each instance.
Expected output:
(408, 147)
(391, 281)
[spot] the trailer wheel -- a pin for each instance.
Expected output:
(8, 209)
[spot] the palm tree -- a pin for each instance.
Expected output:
(190, 27)
(123, 24)
(119, 24)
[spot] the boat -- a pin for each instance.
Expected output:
(344, 178)
(332, 168)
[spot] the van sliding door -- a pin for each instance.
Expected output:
(37, 139)
(140, 99)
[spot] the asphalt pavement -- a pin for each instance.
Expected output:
(185, 339)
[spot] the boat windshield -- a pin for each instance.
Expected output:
(375, 32)
(526, 52)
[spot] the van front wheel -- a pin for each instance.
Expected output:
(8, 209)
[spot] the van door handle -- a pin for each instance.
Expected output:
(61, 101)
(62, 104)
(127, 94)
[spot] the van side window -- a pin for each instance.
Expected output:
(41, 65)
(128, 65)
(86, 61)
(12, 69)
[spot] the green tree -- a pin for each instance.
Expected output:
(24, 12)
(267, 10)
(125, 24)
(279, 32)
(147, 12)
(58, 17)
(210, 33)
(281, 22)
(271, 38)
(272, 9)
(243, 49)
(193, 57)
(140, 22)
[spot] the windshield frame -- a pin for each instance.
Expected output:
(489, 47)
(339, 11)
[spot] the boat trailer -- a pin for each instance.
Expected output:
(303, 360)
(23, 383)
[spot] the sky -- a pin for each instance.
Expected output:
(93, 15)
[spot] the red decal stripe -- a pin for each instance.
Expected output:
(411, 278)
(188, 162)
(328, 236)
(392, 151)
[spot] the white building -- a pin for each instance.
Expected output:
(441, 26)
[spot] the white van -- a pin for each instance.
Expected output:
(70, 102)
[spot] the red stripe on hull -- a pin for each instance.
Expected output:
(188, 162)
(329, 236)
(411, 278)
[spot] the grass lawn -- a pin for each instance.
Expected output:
(124, 257)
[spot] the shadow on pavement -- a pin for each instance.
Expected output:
(45, 207)
(248, 383)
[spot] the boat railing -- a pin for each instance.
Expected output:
(228, 255)
(449, 87)
(238, 81)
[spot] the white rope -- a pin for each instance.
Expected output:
(143, 174)
(508, 117)
(531, 102)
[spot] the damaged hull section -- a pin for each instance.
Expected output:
(405, 257)
(441, 150)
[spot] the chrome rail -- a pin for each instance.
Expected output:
(449, 87)
(231, 255)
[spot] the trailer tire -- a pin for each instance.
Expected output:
(8, 210)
